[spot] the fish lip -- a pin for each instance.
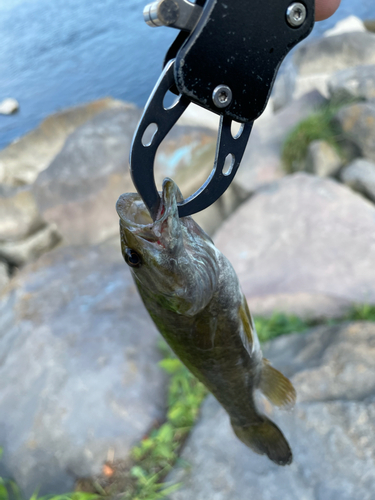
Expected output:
(127, 200)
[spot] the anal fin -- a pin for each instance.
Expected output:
(277, 388)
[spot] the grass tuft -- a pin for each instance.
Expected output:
(318, 126)
(362, 312)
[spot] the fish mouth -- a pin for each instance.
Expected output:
(133, 212)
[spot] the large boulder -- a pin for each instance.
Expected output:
(79, 190)
(331, 430)
(357, 122)
(79, 368)
(24, 159)
(304, 245)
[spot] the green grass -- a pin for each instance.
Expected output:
(142, 477)
(279, 324)
(363, 312)
(318, 126)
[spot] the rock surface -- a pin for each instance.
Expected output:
(4, 277)
(79, 190)
(304, 245)
(79, 357)
(314, 62)
(8, 106)
(360, 176)
(347, 25)
(19, 214)
(23, 160)
(357, 122)
(331, 430)
(322, 159)
(356, 83)
(19, 253)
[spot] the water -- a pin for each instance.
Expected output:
(59, 53)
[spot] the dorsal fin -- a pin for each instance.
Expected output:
(248, 329)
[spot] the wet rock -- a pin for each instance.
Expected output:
(352, 84)
(322, 159)
(262, 163)
(79, 190)
(331, 430)
(19, 253)
(357, 122)
(23, 160)
(304, 245)
(4, 277)
(19, 214)
(79, 357)
(360, 176)
(8, 106)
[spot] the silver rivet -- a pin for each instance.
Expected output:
(296, 14)
(222, 96)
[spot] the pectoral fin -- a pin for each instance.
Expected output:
(277, 388)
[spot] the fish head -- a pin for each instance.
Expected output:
(173, 261)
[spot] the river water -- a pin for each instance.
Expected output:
(59, 53)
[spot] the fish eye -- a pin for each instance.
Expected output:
(132, 258)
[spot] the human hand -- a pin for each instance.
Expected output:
(325, 8)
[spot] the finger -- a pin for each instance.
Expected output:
(325, 8)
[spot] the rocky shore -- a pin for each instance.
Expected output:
(78, 352)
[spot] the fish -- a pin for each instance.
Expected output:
(193, 296)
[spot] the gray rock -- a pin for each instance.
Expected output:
(304, 245)
(19, 214)
(317, 60)
(360, 176)
(79, 190)
(370, 25)
(18, 253)
(4, 276)
(79, 357)
(335, 53)
(356, 83)
(357, 122)
(322, 159)
(331, 430)
(262, 163)
(23, 160)
(8, 106)
(347, 25)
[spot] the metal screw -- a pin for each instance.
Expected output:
(296, 14)
(222, 96)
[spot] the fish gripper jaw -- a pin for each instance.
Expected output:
(225, 59)
(142, 155)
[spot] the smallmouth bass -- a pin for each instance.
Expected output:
(193, 295)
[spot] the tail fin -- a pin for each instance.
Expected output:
(266, 438)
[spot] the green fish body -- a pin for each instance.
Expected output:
(194, 297)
